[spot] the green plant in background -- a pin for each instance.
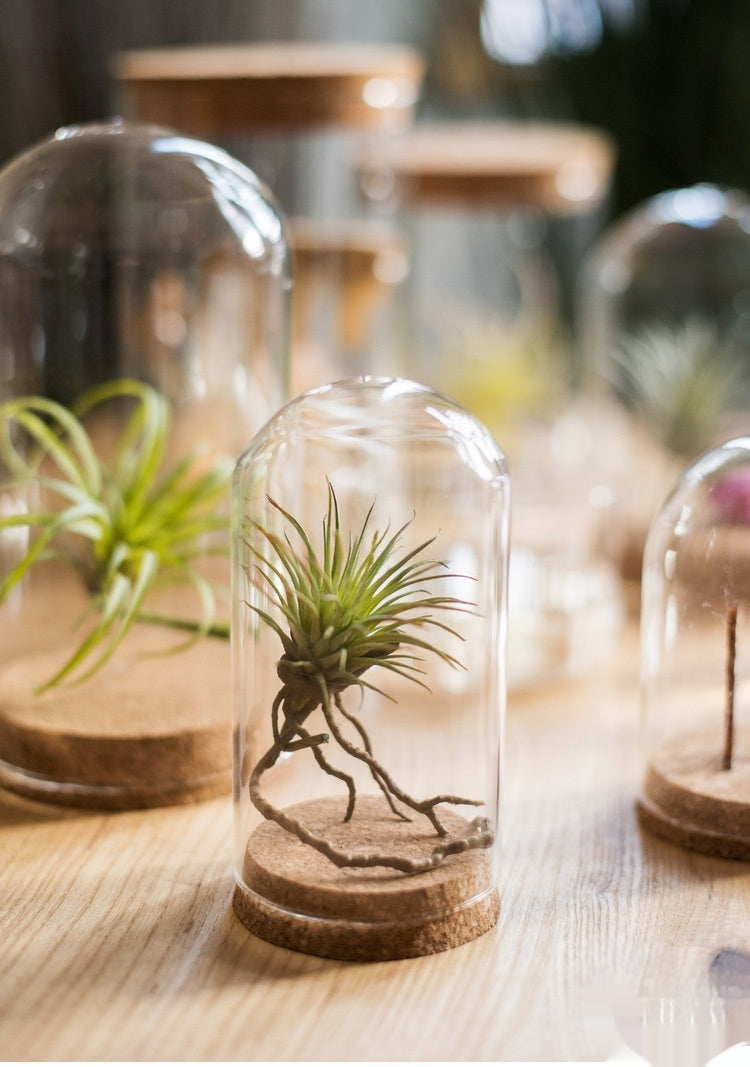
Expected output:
(358, 605)
(502, 371)
(681, 381)
(124, 526)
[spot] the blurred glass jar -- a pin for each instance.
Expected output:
(370, 561)
(144, 287)
(482, 320)
(694, 658)
(665, 334)
(299, 114)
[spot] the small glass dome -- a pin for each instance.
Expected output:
(370, 562)
(665, 336)
(127, 249)
(695, 659)
(144, 285)
(667, 313)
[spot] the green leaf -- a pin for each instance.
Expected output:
(351, 608)
(133, 522)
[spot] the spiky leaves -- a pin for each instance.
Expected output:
(359, 603)
(681, 381)
(122, 524)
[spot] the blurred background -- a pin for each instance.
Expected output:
(543, 273)
(668, 78)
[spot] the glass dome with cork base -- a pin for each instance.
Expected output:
(696, 588)
(370, 539)
(143, 329)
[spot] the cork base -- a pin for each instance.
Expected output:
(688, 799)
(142, 732)
(294, 897)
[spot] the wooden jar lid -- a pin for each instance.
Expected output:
(560, 169)
(223, 89)
(295, 897)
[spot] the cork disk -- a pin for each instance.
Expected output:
(295, 897)
(140, 733)
(688, 798)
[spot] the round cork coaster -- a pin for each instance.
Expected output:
(688, 798)
(295, 897)
(145, 731)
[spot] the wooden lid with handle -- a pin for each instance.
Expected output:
(223, 89)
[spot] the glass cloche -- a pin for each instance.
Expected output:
(696, 658)
(665, 330)
(370, 572)
(144, 285)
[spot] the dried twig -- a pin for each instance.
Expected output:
(728, 751)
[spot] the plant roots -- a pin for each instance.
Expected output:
(293, 736)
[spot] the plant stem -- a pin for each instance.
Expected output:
(728, 753)
(216, 630)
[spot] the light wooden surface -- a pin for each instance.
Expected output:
(119, 942)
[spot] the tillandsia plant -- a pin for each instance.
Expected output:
(681, 381)
(359, 604)
(124, 526)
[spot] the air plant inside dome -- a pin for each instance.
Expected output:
(681, 381)
(361, 602)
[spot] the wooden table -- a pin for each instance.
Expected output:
(119, 943)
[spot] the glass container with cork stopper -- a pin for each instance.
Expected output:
(299, 113)
(695, 660)
(482, 320)
(370, 558)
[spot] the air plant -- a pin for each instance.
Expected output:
(124, 526)
(357, 605)
(681, 381)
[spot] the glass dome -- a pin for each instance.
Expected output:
(665, 333)
(695, 661)
(144, 285)
(370, 561)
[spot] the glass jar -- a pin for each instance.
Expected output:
(695, 660)
(665, 334)
(483, 322)
(370, 554)
(299, 114)
(144, 285)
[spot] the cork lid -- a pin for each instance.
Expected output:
(560, 168)
(244, 88)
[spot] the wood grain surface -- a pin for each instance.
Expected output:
(119, 941)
